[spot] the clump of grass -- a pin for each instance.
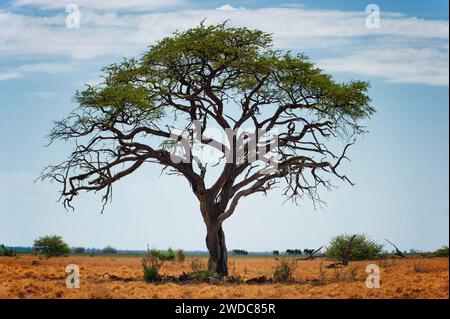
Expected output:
(353, 273)
(180, 255)
(419, 268)
(203, 275)
(237, 278)
(338, 275)
(199, 270)
(170, 254)
(151, 266)
(163, 255)
(197, 265)
(321, 279)
(284, 271)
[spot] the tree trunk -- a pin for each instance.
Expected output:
(218, 254)
(346, 252)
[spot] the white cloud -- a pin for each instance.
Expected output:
(101, 4)
(333, 32)
(47, 68)
(9, 75)
(402, 65)
(226, 7)
(50, 68)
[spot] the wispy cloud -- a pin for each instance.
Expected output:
(50, 68)
(226, 7)
(404, 65)
(46, 68)
(9, 75)
(101, 4)
(342, 36)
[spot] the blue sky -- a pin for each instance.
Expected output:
(400, 167)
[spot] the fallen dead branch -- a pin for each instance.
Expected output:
(397, 251)
(335, 265)
(114, 277)
(312, 255)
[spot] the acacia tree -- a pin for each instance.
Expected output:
(222, 77)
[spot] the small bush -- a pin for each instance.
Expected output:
(163, 255)
(362, 248)
(180, 255)
(51, 246)
(7, 252)
(285, 270)
(151, 266)
(200, 271)
(156, 253)
(203, 275)
(170, 254)
(442, 252)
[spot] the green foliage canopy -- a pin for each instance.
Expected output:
(231, 76)
(51, 246)
(362, 247)
(442, 252)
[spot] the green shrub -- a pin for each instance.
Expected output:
(203, 275)
(156, 253)
(151, 266)
(362, 247)
(284, 271)
(51, 246)
(161, 255)
(442, 252)
(180, 255)
(200, 271)
(7, 252)
(170, 254)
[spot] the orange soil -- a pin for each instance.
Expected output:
(32, 277)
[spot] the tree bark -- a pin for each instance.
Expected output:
(346, 252)
(218, 254)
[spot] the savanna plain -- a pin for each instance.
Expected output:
(102, 277)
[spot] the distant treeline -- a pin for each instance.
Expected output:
(110, 250)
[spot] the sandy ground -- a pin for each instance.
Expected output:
(34, 277)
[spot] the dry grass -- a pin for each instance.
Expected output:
(28, 277)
